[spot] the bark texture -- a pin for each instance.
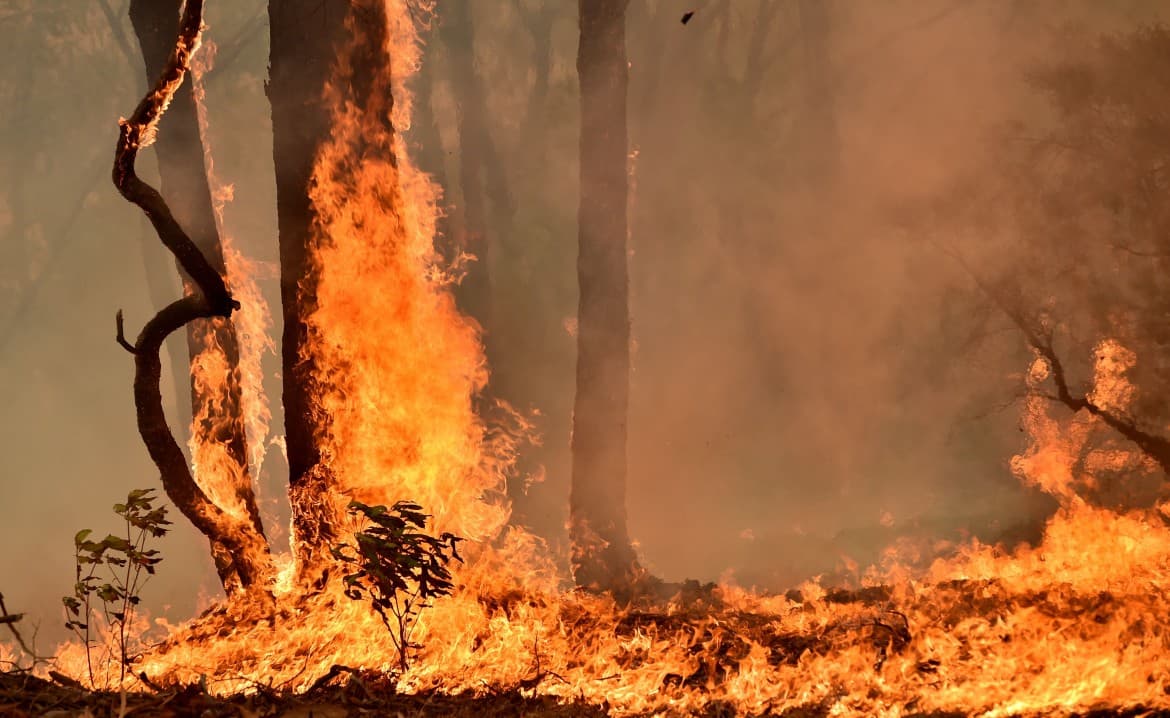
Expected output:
(304, 37)
(185, 188)
(315, 44)
(234, 539)
(602, 556)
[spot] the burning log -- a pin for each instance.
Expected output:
(239, 547)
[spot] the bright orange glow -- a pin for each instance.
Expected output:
(222, 476)
(252, 322)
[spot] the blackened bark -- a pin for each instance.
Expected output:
(314, 43)
(185, 188)
(304, 35)
(602, 556)
(241, 552)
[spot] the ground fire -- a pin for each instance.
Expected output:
(400, 579)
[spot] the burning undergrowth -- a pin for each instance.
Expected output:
(1071, 625)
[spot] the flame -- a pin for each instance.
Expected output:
(221, 473)
(398, 364)
(1072, 624)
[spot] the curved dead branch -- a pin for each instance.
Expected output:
(1040, 339)
(238, 549)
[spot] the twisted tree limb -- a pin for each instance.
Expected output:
(238, 548)
(218, 410)
(1039, 338)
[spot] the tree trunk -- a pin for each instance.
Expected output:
(218, 410)
(602, 556)
(307, 37)
(238, 545)
(540, 26)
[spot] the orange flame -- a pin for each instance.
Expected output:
(252, 322)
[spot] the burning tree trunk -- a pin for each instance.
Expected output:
(240, 548)
(327, 59)
(602, 555)
(304, 40)
(160, 287)
(218, 435)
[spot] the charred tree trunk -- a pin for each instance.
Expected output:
(303, 44)
(218, 412)
(314, 43)
(239, 546)
(602, 556)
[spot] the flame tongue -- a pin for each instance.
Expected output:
(398, 364)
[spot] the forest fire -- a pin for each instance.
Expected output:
(393, 373)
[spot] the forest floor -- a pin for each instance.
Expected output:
(23, 696)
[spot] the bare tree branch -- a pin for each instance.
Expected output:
(231, 538)
(1040, 339)
(121, 336)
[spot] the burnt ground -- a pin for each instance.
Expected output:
(23, 695)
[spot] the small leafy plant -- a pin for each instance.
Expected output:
(113, 571)
(397, 567)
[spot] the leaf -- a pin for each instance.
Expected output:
(116, 543)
